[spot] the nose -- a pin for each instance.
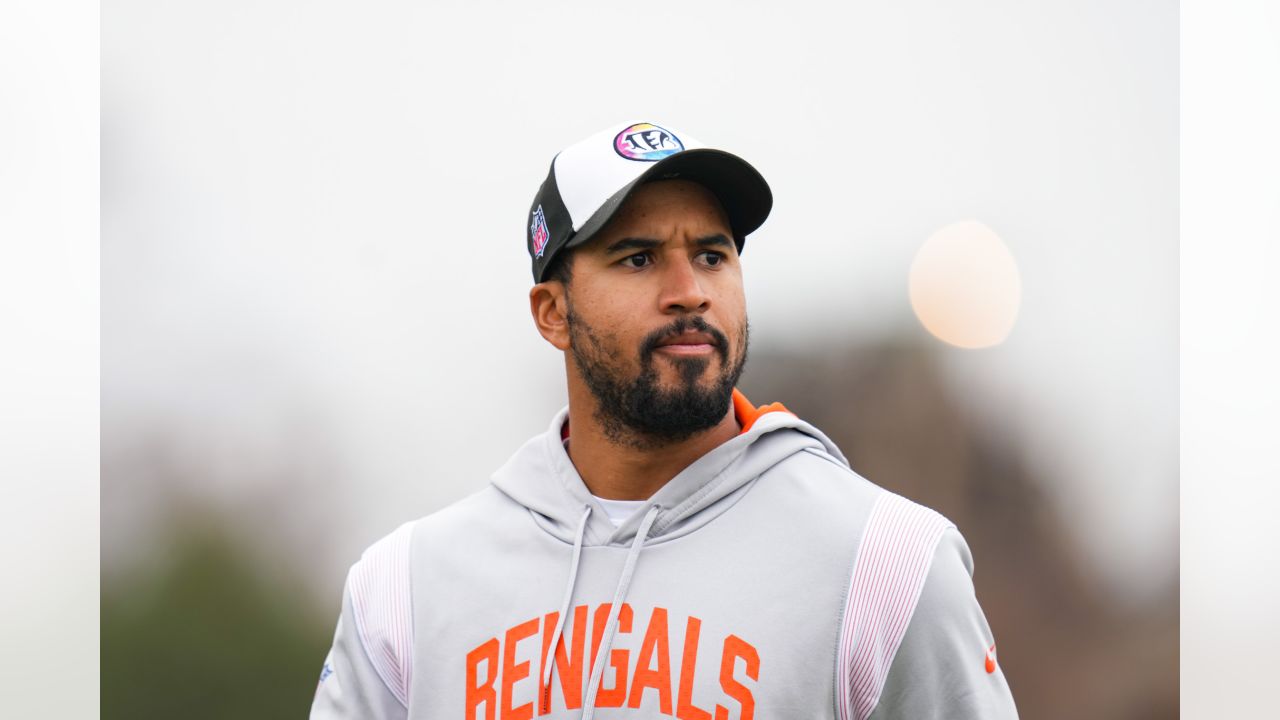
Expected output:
(682, 290)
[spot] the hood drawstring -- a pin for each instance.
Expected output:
(624, 582)
(564, 607)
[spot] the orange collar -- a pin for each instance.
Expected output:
(748, 414)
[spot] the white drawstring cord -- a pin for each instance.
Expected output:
(550, 660)
(597, 670)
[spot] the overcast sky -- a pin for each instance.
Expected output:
(313, 224)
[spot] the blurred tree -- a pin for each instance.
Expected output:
(208, 635)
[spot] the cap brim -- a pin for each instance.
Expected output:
(741, 190)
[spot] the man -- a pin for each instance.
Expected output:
(665, 549)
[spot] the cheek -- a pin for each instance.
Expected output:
(728, 286)
(615, 325)
(606, 316)
(733, 306)
(609, 308)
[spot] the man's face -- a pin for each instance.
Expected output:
(657, 317)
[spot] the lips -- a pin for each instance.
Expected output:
(691, 337)
(688, 338)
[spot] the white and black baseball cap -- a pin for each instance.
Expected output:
(590, 180)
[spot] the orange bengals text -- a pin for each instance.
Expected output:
(494, 677)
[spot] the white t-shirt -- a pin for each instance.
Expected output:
(619, 510)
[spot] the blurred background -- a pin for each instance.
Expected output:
(315, 325)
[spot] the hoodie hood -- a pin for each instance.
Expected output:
(542, 478)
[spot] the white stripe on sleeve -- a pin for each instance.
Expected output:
(382, 601)
(893, 560)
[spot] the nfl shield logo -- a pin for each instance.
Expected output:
(539, 232)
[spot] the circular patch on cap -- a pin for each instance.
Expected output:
(646, 142)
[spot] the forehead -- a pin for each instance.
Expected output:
(669, 202)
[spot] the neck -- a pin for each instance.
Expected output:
(615, 469)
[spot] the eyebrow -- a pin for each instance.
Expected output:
(633, 243)
(716, 240)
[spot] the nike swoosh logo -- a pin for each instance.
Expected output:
(991, 659)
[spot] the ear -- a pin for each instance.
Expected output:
(549, 304)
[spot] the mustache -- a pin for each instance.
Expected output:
(682, 325)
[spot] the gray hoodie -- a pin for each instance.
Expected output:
(765, 580)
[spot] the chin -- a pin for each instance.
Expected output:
(684, 371)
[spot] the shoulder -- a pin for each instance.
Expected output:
(380, 593)
(380, 585)
(823, 489)
(945, 656)
(910, 602)
(382, 574)
(470, 515)
(384, 569)
(896, 550)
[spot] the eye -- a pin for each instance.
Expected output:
(638, 260)
(712, 258)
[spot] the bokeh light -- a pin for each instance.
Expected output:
(965, 287)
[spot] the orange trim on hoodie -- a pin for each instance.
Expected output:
(748, 414)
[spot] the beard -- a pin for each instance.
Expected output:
(634, 410)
